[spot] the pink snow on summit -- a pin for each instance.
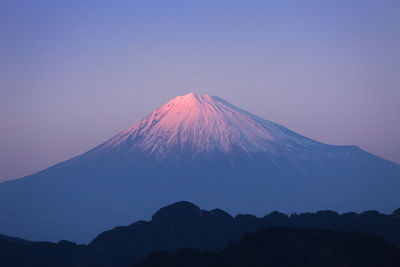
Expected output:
(201, 123)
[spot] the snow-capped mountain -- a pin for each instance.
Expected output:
(202, 149)
(202, 124)
(192, 127)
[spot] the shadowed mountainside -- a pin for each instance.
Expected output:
(287, 247)
(184, 225)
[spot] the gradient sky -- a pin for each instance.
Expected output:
(75, 73)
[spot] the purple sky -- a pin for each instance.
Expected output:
(74, 74)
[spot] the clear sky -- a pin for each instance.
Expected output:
(75, 73)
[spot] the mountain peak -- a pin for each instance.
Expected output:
(190, 96)
(190, 100)
(177, 211)
(192, 124)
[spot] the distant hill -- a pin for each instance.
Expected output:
(12, 239)
(40, 254)
(184, 225)
(287, 247)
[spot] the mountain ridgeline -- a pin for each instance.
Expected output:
(349, 238)
(203, 149)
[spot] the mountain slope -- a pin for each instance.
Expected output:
(200, 124)
(202, 149)
(193, 126)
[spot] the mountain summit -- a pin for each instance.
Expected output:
(202, 149)
(194, 126)
(195, 123)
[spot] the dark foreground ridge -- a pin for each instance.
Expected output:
(184, 225)
(287, 247)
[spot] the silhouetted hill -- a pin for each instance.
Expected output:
(12, 239)
(287, 247)
(40, 254)
(184, 225)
